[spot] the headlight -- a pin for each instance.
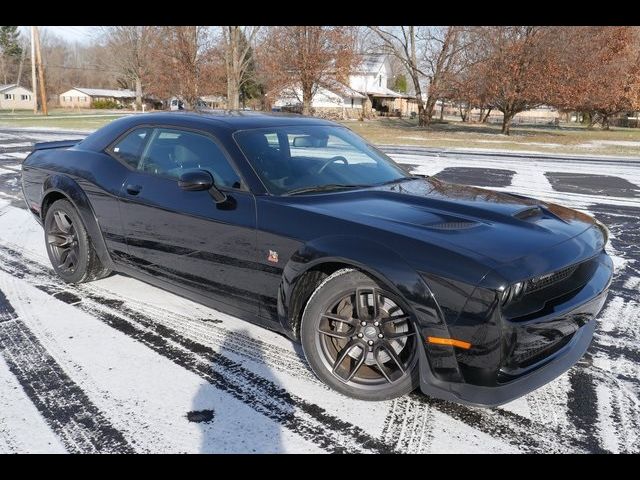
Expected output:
(512, 293)
(605, 231)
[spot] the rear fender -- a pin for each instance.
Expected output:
(73, 192)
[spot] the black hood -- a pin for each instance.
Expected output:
(494, 225)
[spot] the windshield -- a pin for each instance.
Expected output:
(303, 159)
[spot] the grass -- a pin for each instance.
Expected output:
(453, 134)
(573, 139)
(59, 118)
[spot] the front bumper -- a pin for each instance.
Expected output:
(510, 384)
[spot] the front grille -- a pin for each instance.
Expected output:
(544, 281)
(542, 293)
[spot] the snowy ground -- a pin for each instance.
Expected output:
(120, 366)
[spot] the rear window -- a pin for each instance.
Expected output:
(129, 148)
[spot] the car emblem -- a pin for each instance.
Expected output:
(273, 256)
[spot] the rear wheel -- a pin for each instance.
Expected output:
(68, 245)
(359, 339)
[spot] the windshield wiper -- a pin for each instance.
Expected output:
(323, 188)
(401, 179)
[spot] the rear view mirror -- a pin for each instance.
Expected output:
(303, 142)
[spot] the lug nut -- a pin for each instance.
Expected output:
(360, 335)
(380, 335)
(364, 324)
(375, 324)
(370, 342)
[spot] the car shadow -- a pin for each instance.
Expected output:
(227, 426)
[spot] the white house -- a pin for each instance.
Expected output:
(84, 97)
(331, 96)
(371, 77)
(367, 88)
(15, 97)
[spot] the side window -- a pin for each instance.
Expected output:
(129, 148)
(170, 152)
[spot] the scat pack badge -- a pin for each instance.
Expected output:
(273, 256)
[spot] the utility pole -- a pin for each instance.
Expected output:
(43, 92)
(34, 85)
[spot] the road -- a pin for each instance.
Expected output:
(120, 366)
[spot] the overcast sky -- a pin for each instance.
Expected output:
(72, 33)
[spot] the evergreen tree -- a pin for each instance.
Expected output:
(10, 52)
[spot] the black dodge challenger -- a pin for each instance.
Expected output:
(389, 280)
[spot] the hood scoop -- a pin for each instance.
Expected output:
(529, 213)
(458, 225)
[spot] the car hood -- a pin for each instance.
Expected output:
(498, 226)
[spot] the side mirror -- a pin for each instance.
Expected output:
(198, 180)
(195, 180)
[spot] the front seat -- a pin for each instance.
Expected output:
(268, 160)
(195, 157)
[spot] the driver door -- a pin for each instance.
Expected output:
(185, 237)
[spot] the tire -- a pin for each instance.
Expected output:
(351, 348)
(69, 247)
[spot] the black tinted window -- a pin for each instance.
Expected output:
(170, 152)
(129, 148)
(300, 157)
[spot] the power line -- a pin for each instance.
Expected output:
(66, 67)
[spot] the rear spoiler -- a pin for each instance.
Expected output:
(57, 144)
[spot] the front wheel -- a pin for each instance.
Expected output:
(359, 339)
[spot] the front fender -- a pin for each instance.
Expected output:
(381, 263)
(68, 187)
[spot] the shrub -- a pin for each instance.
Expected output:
(104, 104)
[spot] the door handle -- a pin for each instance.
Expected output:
(133, 189)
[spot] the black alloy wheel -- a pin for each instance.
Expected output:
(363, 342)
(63, 242)
(70, 251)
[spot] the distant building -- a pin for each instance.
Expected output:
(332, 96)
(216, 102)
(366, 91)
(84, 97)
(371, 78)
(15, 97)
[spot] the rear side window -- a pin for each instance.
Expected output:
(129, 148)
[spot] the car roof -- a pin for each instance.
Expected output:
(216, 120)
(238, 119)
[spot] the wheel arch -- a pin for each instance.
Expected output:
(57, 187)
(314, 261)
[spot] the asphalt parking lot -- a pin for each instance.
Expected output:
(120, 366)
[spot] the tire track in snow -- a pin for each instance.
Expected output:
(298, 415)
(80, 425)
(583, 406)
(508, 426)
(409, 426)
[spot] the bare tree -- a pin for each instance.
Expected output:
(127, 50)
(520, 68)
(181, 62)
(599, 70)
(237, 43)
(74, 65)
(305, 56)
(444, 59)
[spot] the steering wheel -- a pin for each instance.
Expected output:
(337, 158)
